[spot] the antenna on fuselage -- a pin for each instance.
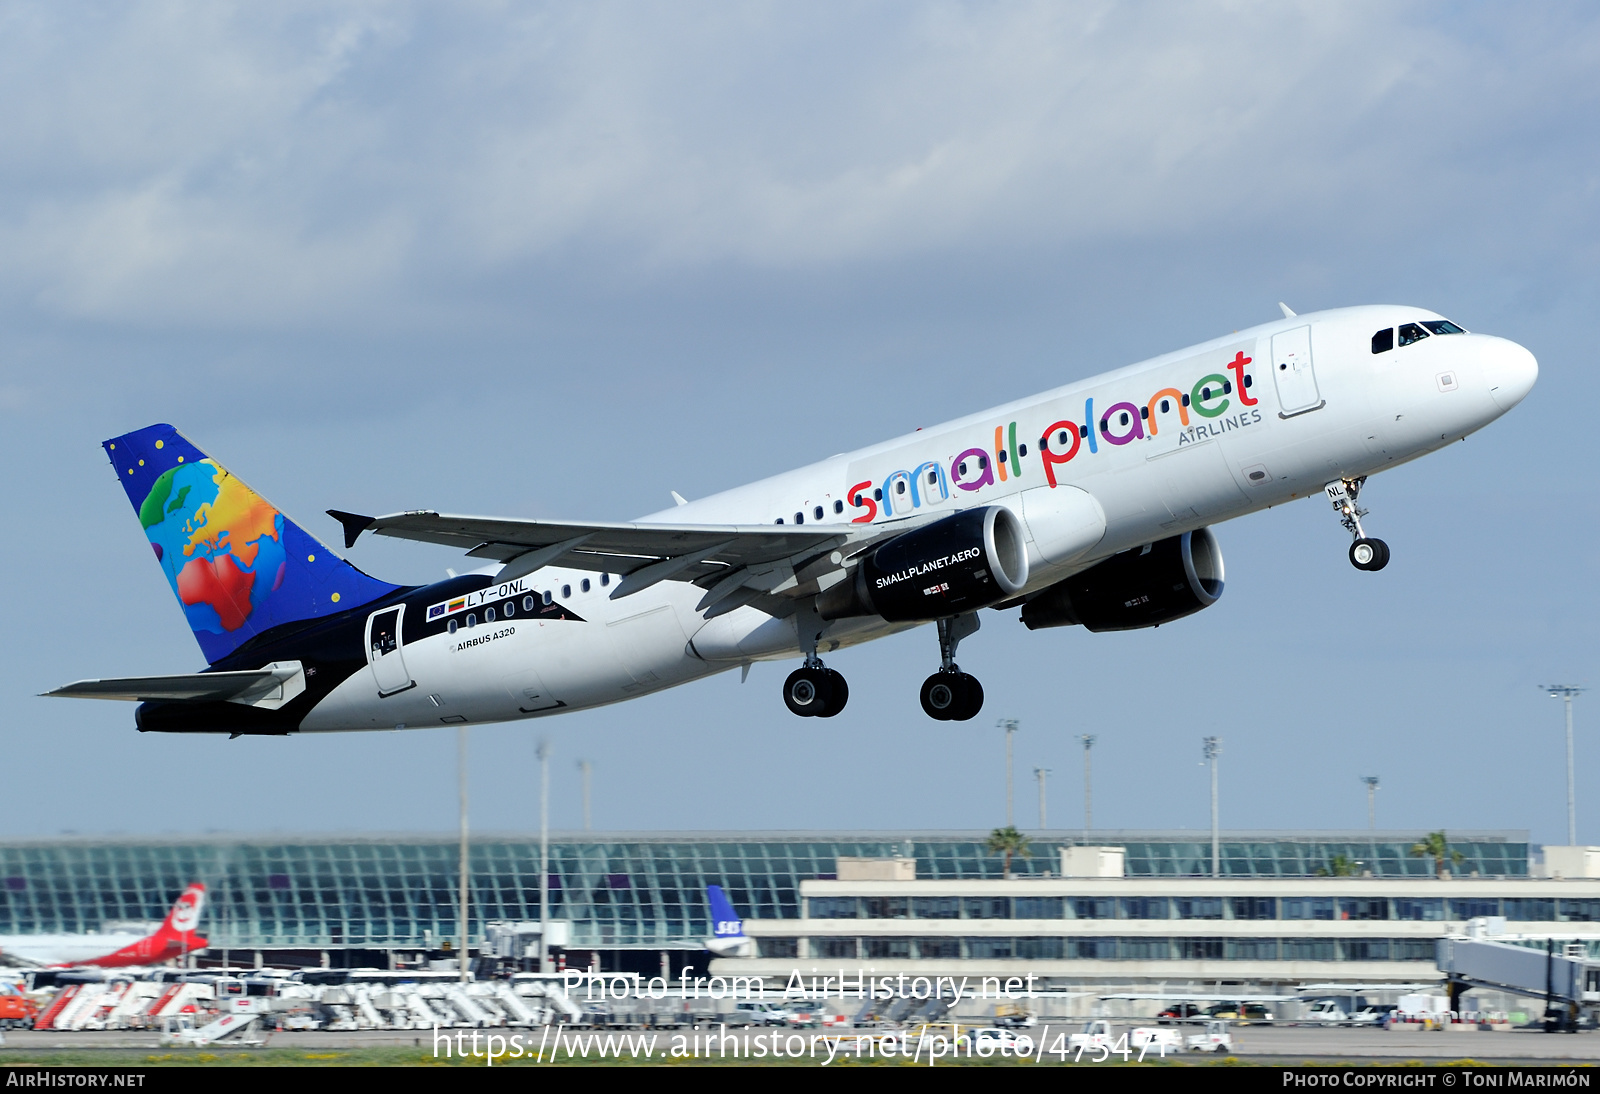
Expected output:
(1288, 312)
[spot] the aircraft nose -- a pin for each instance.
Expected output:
(1510, 370)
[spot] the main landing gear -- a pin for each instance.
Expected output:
(815, 691)
(951, 695)
(1365, 553)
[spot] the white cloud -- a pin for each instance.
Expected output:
(193, 164)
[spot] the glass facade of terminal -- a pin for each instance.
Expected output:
(618, 891)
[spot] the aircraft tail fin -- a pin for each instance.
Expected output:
(185, 915)
(727, 929)
(237, 565)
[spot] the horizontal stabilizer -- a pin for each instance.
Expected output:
(270, 687)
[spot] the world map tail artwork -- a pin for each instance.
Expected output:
(237, 565)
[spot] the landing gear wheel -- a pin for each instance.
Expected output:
(941, 695)
(974, 702)
(1369, 554)
(951, 696)
(838, 694)
(808, 691)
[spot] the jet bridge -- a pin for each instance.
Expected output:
(1560, 972)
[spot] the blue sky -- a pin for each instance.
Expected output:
(559, 260)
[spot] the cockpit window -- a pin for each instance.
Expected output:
(1383, 341)
(1410, 332)
(1442, 326)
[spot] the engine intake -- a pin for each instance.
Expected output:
(966, 561)
(1144, 587)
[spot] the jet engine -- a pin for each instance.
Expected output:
(1144, 587)
(966, 561)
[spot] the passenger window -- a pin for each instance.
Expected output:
(1442, 326)
(817, 512)
(605, 579)
(799, 518)
(877, 494)
(1124, 417)
(1383, 341)
(472, 620)
(1022, 450)
(451, 626)
(488, 615)
(528, 603)
(585, 585)
(1186, 399)
(566, 592)
(1410, 333)
(1166, 405)
(1083, 431)
(900, 486)
(510, 608)
(838, 506)
(778, 521)
(549, 596)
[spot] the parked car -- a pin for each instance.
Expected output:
(1241, 1012)
(1179, 1012)
(760, 1014)
(1375, 1015)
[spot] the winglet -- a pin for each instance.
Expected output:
(354, 525)
(1288, 312)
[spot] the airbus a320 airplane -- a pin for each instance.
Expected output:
(1087, 505)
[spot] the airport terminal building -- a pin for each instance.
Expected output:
(1122, 907)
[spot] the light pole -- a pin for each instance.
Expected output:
(1010, 726)
(1212, 748)
(544, 855)
(1088, 740)
(1566, 693)
(1372, 800)
(461, 787)
(585, 767)
(1040, 773)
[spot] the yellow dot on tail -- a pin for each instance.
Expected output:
(161, 444)
(141, 463)
(180, 459)
(311, 558)
(336, 598)
(130, 470)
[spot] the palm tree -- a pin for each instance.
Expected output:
(1436, 847)
(1338, 866)
(1008, 841)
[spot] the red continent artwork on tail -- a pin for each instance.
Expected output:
(220, 583)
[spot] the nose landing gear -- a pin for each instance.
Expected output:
(951, 695)
(1365, 553)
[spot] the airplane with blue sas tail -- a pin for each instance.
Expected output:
(727, 929)
(1091, 504)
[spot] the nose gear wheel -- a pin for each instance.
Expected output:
(1365, 553)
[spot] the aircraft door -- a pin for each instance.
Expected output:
(1293, 374)
(384, 653)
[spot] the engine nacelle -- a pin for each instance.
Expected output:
(966, 561)
(1144, 587)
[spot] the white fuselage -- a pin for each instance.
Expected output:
(1166, 446)
(62, 949)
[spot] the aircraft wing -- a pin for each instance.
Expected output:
(737, 564)
(254, 686)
